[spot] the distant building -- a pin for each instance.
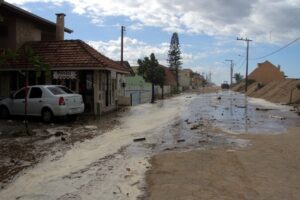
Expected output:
(169, 85)
(197, 80)
(266, 72)
(185, 78)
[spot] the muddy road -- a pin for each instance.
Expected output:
(112, 165)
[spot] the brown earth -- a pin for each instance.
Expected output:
(206, 89)
(277, 91)
(268, 169)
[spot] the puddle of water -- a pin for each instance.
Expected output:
(237, 114)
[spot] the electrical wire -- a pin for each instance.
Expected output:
(274, 52)
(241, 65)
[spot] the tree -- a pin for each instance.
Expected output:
(174, 57)
(9, 57)
(238, 77)
(151, 72)
(159, 79)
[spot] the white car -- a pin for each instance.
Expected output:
(47, 101)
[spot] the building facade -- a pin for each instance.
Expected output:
(185, 78)
(266, 72)
(72, 63)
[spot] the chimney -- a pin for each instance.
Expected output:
(279, 67)
(60, 26)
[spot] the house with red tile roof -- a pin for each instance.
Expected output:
(170, 82)
(72, 63)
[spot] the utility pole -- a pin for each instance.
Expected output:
(247, 60)
(122, 43)
(231, 70)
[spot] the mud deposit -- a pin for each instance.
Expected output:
(113, 164)
(20, 151)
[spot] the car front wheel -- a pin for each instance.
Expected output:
(47, 115)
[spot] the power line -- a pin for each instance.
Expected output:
(274, 52)
(241, 65)
(240, 62)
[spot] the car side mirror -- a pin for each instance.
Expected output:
(11, 95)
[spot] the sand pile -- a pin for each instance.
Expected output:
(278, 91)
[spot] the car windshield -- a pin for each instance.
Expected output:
(57, 90)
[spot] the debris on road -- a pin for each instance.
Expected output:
(90, 127)
(135, 183)
(59, 133)
(219, 98)
(181, 140)
(240, 106)
(277, 117)
(195, 126)
(139, 139)
(264, 109)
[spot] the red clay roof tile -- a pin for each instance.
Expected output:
(68, 54)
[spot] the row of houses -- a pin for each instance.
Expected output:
(103, 82)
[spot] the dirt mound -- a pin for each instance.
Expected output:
(277, 91)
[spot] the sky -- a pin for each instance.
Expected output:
(207, 30)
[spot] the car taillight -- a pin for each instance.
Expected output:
(61, 101)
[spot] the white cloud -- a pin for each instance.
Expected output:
(135, 49)
(136, 26)
(262, 20)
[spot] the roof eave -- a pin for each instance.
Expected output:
(25, 13)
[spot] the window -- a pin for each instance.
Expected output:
(66, 90)
(60, 90)
(56, 90)
(35, 93)
(20, 94)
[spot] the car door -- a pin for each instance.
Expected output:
(35, 101)
(18, 103)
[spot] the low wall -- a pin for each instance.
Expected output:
(124, 101)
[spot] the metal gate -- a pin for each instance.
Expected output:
(135, 98)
